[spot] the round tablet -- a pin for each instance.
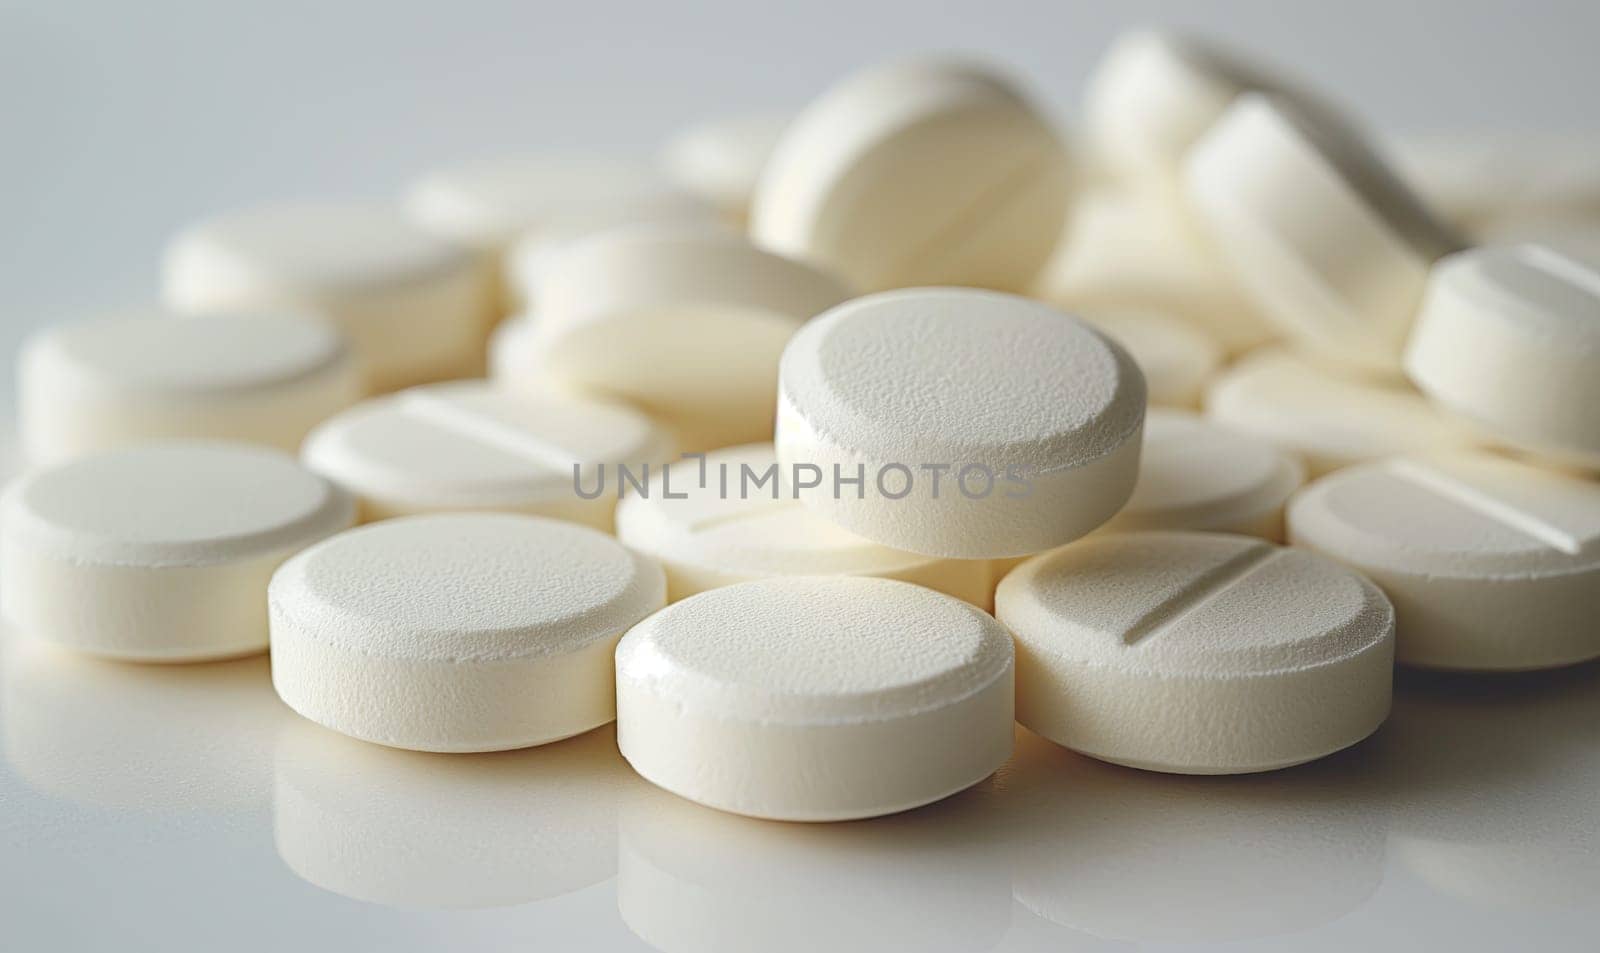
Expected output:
(471, 446)
(488, 204)
(1153, 94)
(815, 698)
(457, 632)
(1124, 252)
(684, 321)
(720, 160)
(1333, 246)
(255, 378)
(1509, 337)
(726, 519)
(959, 423)
(917, 173)
(159, 553)
(1197, 653)
(1197, 475)
(1492, 564)
(1326, 420)
(1177, 357)
(414, 307)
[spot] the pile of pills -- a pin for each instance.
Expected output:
(822, 451)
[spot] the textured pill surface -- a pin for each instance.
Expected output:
(1197, 653)
(1039, 411)
(815, 698)
(160, 552)
(457, 632)
(1491, 564)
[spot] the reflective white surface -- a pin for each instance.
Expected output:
(184, 806)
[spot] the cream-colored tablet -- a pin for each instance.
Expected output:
(1326, 420)
(1197, 653)
(159, 553)
(815, 698)
(414, 307)
(488, 204)
(1486, 180)
(471, 446)
(457, 631)
(1492, 564)
(1197, 475)
(514, 360)
(1154, 94)
(1177, 357)
(917, 173)
(959, 423)
(685, 322)
(1509, 337)
(720, 160)
(532, 255)
(726, 518)
(256, 378)
(1333, 246)
(1124, 252)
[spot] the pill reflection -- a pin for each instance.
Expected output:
(411, 829)
(1135, 855)
(1495, 783)
(693, 879)
(139, 737)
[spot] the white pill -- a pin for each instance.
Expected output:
(720, 160)
(1483, 180)
(1154, 94)
(536, 253)
(1197, 653)
(1197, 475)
(1333, 246)
(917, 173)
(471, 446)
(741, 524)
(1509, 337)
(815, 698)
(162, 552)
(488, 204)
(1492, 564)
(1177, 357)
(1326, 420)
(414, 307)
(979, 424)
(459, 631)
(1125, 252)
(255, 378)
(686, 322)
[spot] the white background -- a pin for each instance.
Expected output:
(185, 808)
